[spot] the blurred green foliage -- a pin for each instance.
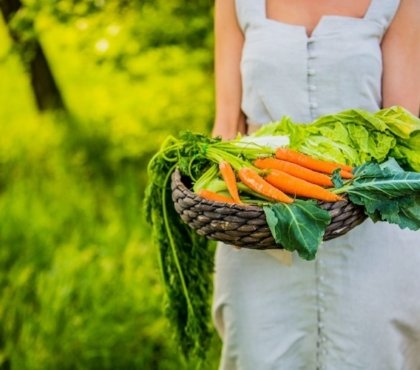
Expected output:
(79, 280)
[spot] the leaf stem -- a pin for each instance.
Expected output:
(172, 242)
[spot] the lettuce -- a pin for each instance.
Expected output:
(399, 121)
(356, 136)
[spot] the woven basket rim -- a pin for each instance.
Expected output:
(244, 206)
(249, 226)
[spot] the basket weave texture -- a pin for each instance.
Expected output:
(245, 226)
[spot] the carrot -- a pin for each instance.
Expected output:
(211, 195)
(293, 185)
(228, 176)
(346, 175)
(295, 170)
(312, 163)
(255, 182)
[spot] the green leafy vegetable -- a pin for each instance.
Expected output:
(187, 289)
(298, 226)
(185, 258)
(408, 153)
(355, 136)
(399, 122)
(207, 178)
(387, 192)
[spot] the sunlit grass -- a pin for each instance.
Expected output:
(79, 280)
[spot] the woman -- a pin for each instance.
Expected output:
(357, 306)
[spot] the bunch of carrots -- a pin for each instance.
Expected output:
(281, 178)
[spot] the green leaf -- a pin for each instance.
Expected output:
(408, 215)
(387, 192)
(408, 156)
(285, 125)
(299, 226)
(391, 185)
(399, 121)
(206, 178)
(328, 149)
(355, 136)
(391, 166)
(337, 179)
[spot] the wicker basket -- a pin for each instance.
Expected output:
(245, 226)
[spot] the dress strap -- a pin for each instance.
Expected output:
(382, 11)
(249, 11)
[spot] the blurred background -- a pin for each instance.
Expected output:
(88, 91)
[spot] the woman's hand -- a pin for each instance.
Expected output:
(401, 58)
(229, 40)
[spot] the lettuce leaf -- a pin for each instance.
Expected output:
(399, 121)
(408, 152)
(356, 136)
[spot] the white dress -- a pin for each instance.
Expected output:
(357, 306)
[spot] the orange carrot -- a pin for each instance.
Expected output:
(295, 170)
(255, 182)
(211, 195)
(346, 175)
(312, 163)
(346, 167)
(293, 185)
(228, 176)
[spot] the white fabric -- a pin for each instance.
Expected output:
(285, 72)
(357, 306)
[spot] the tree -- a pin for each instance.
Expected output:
(46, 92)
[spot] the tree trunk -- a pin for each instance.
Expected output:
(45, 89)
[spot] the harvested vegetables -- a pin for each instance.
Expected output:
(295, 170)
(312, 163)
(384, 181)
(228, 175)
(387, 192)
(211, 195)
(299, 187)
(355, 136)
(257, 183)
(185, 258)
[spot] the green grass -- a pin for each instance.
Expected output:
(79, 280)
